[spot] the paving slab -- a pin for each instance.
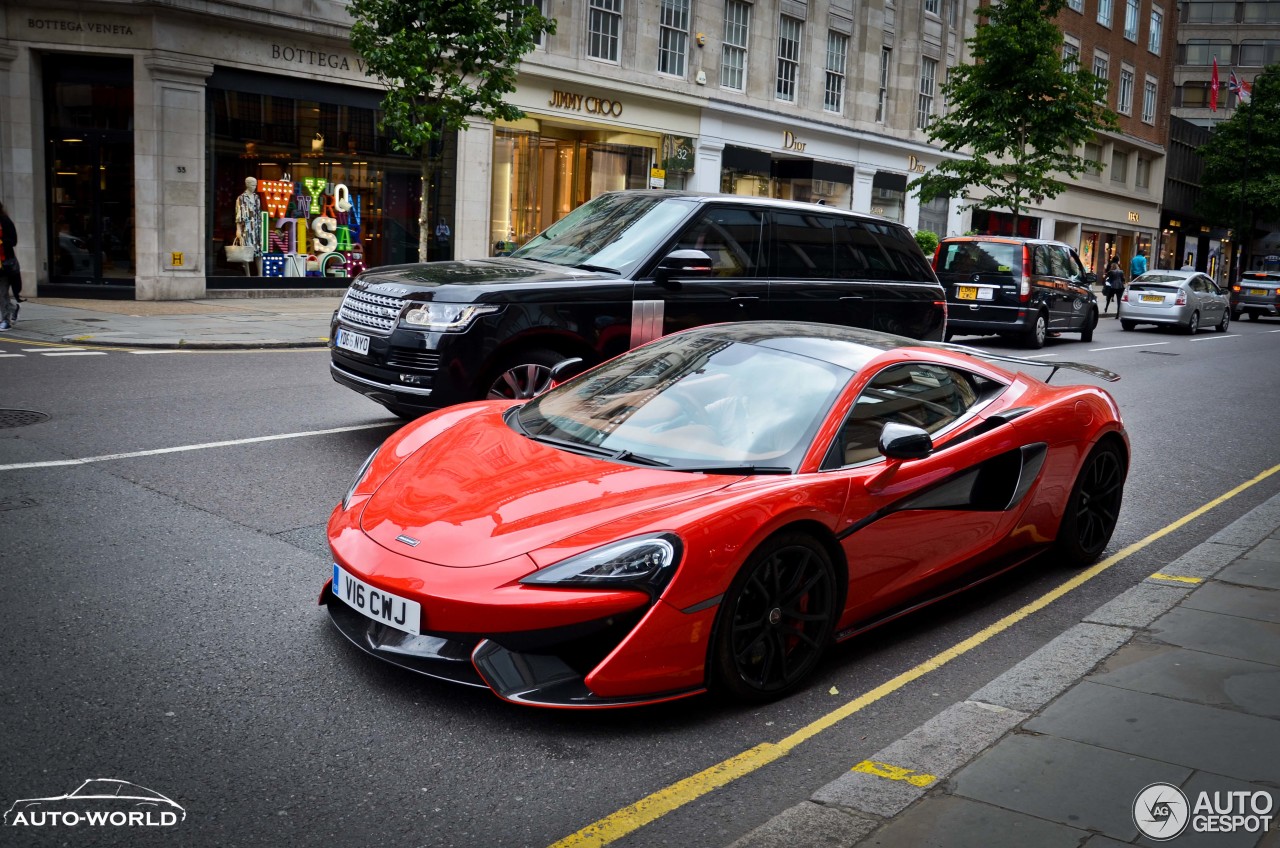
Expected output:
(1224, 742)
(1205, 560)
(1140, 605)
(1251, 528)
(1228, 635)
(944, 821)
(1249, 571)
(1195, 676)
(1267, 550)
(1213, 783)
(1064, 781)
(1043, 675)
(1241, 601)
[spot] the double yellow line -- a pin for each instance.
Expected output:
(652, 807)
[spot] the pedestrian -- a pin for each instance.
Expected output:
(1112, 286)
(443, 237)
(10, 273)
(1139, 264)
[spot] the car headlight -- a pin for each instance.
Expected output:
(446, 317)
(645, 563)
(360, 475)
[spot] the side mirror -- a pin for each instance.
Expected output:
(566, 369)
(902, 441)
(1090, 278)
(684, 263)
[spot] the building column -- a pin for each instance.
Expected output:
(18, 145)
(862, 177)
(170, 194)
(706, 167)
(473, 182)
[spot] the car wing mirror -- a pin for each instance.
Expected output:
(684, 263)
(566, 369)
(902, 441)
(1090, 278)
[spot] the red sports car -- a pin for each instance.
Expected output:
(711, 510)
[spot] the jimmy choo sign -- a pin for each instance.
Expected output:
(590, 104)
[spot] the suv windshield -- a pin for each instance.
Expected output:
(612, 232)
(692, 402)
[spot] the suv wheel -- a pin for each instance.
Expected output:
(1090, 324)
(1034, 339)
(522, 375)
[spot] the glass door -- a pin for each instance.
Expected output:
(92, 209)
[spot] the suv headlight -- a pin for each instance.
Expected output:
(646, 563)
(445, 317)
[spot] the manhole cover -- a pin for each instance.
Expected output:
(20, 417)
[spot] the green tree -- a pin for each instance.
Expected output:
(443, 61)
(928, 241)
(1240, 185)
(1019, 110)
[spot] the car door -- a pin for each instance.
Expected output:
(816, 273)
(736, 240)
(1064, 297)
(914, 526)
(1209, 299)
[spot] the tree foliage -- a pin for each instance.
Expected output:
(443, 61)
(1019, 110)
(1240, 185)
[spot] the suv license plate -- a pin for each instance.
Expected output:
(1258, 292)
(382, 607)
(354, 342)
(967, 293)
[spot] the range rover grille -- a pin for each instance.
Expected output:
(376, 312)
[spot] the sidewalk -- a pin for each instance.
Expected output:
(210, 323)
(1176, 681)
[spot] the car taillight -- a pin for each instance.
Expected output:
(1024, 291)
(1124, 298)
(1182, 299)
(1235, 288)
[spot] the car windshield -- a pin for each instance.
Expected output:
(1176, 279)
(613, 232)
(692, 402)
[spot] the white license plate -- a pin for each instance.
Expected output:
(355, 342)
(381, 606)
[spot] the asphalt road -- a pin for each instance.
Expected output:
(160, 620)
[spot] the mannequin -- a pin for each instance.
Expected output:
(249, 223)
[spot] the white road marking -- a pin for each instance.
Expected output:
(1216, 336)
(47, 349)
(12, 355)
(74, 353)
(1123, 347)
(162, 350)
(229, 443)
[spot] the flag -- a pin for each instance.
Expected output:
(1213, 87)
(1241, 89)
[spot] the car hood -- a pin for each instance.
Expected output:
(479, 493)
(463, 280)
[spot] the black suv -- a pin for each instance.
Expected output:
(1017, 287)
(618, 271)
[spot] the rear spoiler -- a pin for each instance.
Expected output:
(1092, 370)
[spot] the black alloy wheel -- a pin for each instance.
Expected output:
(1090, 324)
(776, 619)
(1094, 506)
(523, 376)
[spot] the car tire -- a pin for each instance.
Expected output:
(775, 621)
(1127, 325)
(1039, 331)
(948, 336)
(404, 413)
(521, 376)
(1222, 325)
(1254, 316)
(1093, 507)
(1090, 324)
(1193, 324)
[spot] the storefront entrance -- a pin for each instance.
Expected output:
(88, 127)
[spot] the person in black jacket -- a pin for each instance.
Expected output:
(1112, 285)
(10, 273)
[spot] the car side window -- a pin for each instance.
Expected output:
(1059, 262)
(918, 394)
(804, 245)
(1041, 264)
(1197, 284)
(733, 238)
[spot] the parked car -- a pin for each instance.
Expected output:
(712, 510)
(1185, 299)
(620, 270)
(1258, 294)
(1021, 288)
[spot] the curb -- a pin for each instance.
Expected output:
(855, 805)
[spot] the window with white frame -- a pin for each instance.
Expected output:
(1093, 153)
(537, 4)
(733, 50)
(1075, 5)
(933, 7)
(837, 58)
(1156, 32)
(1102, 70)
(1119, 166)
(673, 36)
(1124, 100)
(1070, 54)
(882, 102)
(928, 82)
(1149, 101)
(1104, 13)
(953, 13)
(1142, 173)
(604, 29)
(789, 32)
(1131, 20)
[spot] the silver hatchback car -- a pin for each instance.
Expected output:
(1184, 299)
